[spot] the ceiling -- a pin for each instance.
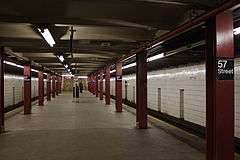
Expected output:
(103, 30)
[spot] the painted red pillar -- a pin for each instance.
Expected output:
(56, 87)
(59, 84)
(27, 89)
(53, 86)
(141, 83)
(101, 86)
(118, 87)
(220, 87)
(40, 88)
(107, 86)
(2, 91)
(96, 85)
(48, 87)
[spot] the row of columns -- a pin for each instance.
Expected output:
(27, 100)
(219, 87)
(51, 91)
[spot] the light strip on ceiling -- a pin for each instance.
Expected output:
(61, 58)
(34, 70)
(129, 65)
(236, 31)
(150, 59)
(47, 36)
(13, 64)
(83, 77)
(153, 58)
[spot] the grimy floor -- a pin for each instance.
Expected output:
(89, 130)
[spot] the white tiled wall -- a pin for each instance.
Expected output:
(192, 80)
(13, 89)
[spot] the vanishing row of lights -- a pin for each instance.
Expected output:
(236, 31)
(19, 66)
(50, 40)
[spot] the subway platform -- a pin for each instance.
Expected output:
(88, 130)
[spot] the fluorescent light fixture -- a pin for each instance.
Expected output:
(34, 70)
(130, 57)
(13, 64)
(129, 65)
(236, 31)
(61, 58)
(155, 45)
(153, 58)
(66, 66)
(112, 71)
(83, 77)
(47, 36)
(67, 75)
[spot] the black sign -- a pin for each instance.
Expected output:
(225, 69)
(119, 78)
(27, 78)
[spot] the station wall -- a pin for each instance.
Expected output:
(13, 90)
(179, 92)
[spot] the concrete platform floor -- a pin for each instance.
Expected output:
(89, 130)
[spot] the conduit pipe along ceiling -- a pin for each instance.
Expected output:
(47, 36)
(150, 59)
(236, 31)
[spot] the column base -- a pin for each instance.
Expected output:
(141, 127)
(2, 129)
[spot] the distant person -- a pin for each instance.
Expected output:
(81, 87)
(77, 93)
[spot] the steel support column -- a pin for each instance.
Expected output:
(220, 87)
(96, 85)
(101, 86)
(53, 86)
(48, 87)
(141, 83)
(1, 91)
(40, 88)
(107, 86)
(56, 87)
(27, 89)
(118, 87)
(60, 84)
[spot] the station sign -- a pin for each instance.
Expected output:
(225, 69)
(27, 78)
(118, 78)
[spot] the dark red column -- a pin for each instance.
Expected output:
(40, 88)
(220, 87)
(48, 87)
(1, 91)
(107, 86)
(53, 86)
(96, 85)
(56, 87)
(118, 87)
(141, 83)
(60, 84)
(101, 86)
(27, 89)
